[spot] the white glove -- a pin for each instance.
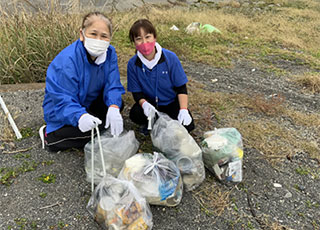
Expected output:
(148, 109)
(87, 122)
(114, 120)
(184, 117)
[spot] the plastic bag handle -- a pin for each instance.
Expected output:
(151, 119)
(92, 153)
(156, 162)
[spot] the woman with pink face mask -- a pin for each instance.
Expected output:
(156, 79)
(83, 88)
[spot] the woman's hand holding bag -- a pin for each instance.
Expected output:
(88, 122)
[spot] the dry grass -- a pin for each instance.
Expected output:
(212, 198)
(289, 32)
(304, 119)
(7, 132)
(259, 34)
(30, 42)
(310, 81)
(267, 125)
(269, 106)
(269, 224)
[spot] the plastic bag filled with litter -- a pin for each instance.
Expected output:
(117, 204)
(174, 141)
(115, 151)
(223, 153)
(193, 27)
(156, 178)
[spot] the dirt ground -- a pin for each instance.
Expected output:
(269, 197)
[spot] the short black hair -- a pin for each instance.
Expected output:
(141, 23)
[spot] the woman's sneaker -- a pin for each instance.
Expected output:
(42, 132)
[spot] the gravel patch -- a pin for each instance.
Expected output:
(270, 196)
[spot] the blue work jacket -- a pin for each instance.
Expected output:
(158, 83)
(67, 85)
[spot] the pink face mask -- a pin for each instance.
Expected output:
(146, 48)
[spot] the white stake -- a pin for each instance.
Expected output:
(13, 125)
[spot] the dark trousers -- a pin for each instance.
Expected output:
(138, 117)
(70, 136)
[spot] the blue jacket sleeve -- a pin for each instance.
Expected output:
(62, 85)
(113, 89)
(178, 75)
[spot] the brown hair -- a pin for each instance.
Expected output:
(87, 20)
(141, 23)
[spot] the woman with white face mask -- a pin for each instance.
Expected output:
(83, 88)
(156, 79)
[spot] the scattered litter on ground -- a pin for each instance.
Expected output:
(174, 27)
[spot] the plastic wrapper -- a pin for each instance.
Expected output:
(156, 178)
(174, 141)
(223, 153)
(115, 151)
(116, 204)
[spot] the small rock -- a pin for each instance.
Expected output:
(288, 195)
(277, 185)
(12, 144)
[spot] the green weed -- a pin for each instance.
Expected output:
(47, 178)
(21, 155)
(24, 223)
(308, 204)
(302, 171)
(9, 174)
(21, 222)
(249, 224)
(26, 132)
(61, 225)
(47, 163)
(43, 194)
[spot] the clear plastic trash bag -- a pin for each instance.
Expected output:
(115, 151)
(117, 204)
(193, 27)
(223, 153)
(174, 141)
(156, 178)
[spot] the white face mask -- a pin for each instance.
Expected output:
(95, 47)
